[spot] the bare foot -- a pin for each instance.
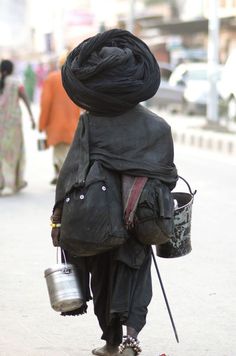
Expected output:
(106, 350)
(129, 351)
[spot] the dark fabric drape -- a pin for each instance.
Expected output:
(137, 143)
(110, 73)
(121, 286)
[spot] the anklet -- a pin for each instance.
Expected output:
(130, 341)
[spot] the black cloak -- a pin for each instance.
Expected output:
(136, 143)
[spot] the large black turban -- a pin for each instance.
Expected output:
(110, 73)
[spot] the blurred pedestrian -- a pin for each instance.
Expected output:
(109, 75)
(41, 74)
(58, 117)
(30, 82)
(12, 157)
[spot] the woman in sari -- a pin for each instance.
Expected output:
(12, 159)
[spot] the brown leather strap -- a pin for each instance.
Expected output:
(133, 198)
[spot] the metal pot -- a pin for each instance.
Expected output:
(63, 287)
(180, 243)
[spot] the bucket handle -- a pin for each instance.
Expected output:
(188, 185)
(66, 269)
(64, 256)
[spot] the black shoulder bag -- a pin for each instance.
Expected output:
(92, 216)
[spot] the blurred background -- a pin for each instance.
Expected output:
(177, 31)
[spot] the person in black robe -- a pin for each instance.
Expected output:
(109, 75)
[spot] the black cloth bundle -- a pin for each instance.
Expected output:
(110, 73)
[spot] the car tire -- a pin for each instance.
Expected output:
(231, 109)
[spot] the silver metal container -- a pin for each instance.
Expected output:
(63, 287)
(42, 144)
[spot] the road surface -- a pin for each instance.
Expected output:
(200, 287)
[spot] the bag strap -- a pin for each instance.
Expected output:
(131, 201)
(83, 150)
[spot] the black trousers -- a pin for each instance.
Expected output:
(121, 292)
(121, 295)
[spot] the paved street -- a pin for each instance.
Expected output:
(200, 287)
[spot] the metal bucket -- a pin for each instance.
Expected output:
(180, 243)
(63, 287)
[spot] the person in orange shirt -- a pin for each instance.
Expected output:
(58, 117)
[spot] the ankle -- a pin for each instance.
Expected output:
(130, 342)
(132, 332)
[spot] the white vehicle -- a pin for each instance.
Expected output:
(186, 90)
(227, 85)
(193, 77)
(168, 96)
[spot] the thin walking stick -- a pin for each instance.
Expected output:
(165, 297)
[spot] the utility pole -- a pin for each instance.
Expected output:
(213, 60)
(131, 16)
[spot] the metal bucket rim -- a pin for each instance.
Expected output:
(189, 203)
(57, 268)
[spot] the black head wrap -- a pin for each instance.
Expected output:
(110, 73)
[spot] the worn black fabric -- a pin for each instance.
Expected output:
(110, 73)
(153, 219)
(137, 143)
(87, 228)
(120, 282)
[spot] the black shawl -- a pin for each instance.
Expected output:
(137, 143)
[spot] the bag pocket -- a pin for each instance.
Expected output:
(92, 218)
